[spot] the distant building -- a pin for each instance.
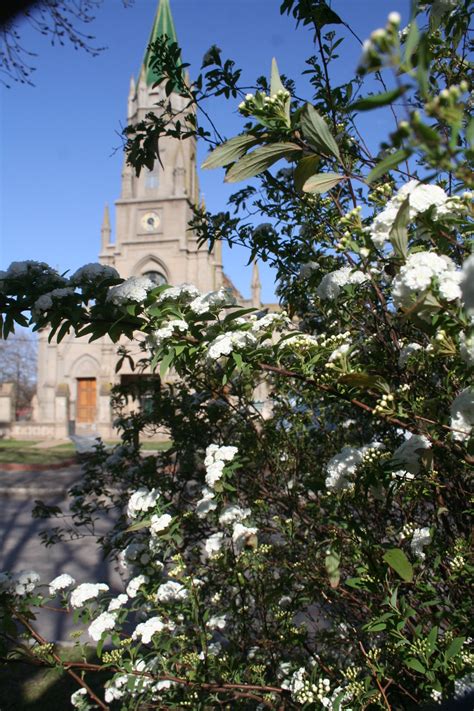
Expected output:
(152, 238)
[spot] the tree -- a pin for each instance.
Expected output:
(18, 365)
(61, 22)
(317, 558)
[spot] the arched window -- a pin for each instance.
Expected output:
(156, 277)
(151, 179)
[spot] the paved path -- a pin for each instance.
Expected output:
(21, 547)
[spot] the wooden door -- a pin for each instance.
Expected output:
(86, 400)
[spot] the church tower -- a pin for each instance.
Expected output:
(154, 209)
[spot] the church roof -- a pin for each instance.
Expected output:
(162, 26)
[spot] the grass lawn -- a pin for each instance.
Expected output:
(22, 452)
(24, 687)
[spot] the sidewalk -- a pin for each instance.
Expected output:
(54, 482)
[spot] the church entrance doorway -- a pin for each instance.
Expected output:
(86, 403)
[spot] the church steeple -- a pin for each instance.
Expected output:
(105, 231)
(256, 286)
(162, 26)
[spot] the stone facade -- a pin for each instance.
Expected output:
(152, 237)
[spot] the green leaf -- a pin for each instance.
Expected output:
(411, 43)
(397, 560)
(166, 362)
(374, 102)
(431, 640)
(230, 151)
(455, 647)
(317, 133)
(275, 81)
(388, 163)
(322, 182)
(377, 628)
(359, 380)
(259, 160)
(399, 233)
(332, 562)
(413, 663)
(138, 526)
(305, 169)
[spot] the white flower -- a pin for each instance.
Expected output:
(339, 352)
(183, 292)
(24, 582)
(117, 602)
(153, 626)
(171, 591)
(341, 467)
(142, 500)
(163, 685)
(213, 544)
(394, 18)
(85, 592)
(160, 523)
(420, 198)
(307, 269)
(78, 698)
(233, 514)
(332, 283)
(135, 584)
(467, 285)
(241, 535)
(206, 504)
(132, 289)
(61, 582)
(45, 301)
(421, 537)
(416, 275)
(204, 303)
(159, 336)
(408, 453)
(225, 343)
(217, 622)
(215, 461)
(105, 621)
(116, 688)
(406, 352)
(93, 272)
(462, 415)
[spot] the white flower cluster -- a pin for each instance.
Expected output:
(142, 500)
(268, 321)
(21, 583)
(146, 630)
(466, 347)
(160, 523)
(421, 537)
(162, 334)
(225, 343)
(243, 536)
(172, 591)
(85, 592)
(92, 273)
(233, 514)
(206, 504)
(332, 283)
(420, 199)
(78, 699)
(213, 299)
(215, 461)
(105, 622)
(116, 603)
(29, 267)
(416, 275)
(462, 415)
(408, 454)
(61, 582)
(45, 301)
(341, 468)
(304, 692)
(214, 544)
(135, 584)
(183, 292)
(133, 289)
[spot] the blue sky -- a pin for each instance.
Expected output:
(60, 148)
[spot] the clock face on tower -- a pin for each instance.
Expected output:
(150, 221)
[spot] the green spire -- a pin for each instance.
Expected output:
(163, 25)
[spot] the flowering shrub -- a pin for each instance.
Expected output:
(316, 557)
